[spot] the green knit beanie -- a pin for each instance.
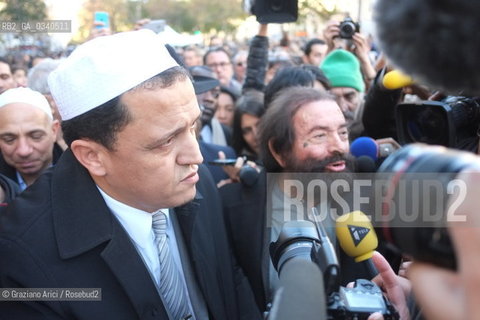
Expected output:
(343, 70)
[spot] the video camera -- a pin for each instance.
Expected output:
(452, 122)
(272, 11)
(304, 240)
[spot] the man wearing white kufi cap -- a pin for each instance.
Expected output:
(127, 209)
(27, 135)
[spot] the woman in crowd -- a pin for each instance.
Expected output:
(248, 112)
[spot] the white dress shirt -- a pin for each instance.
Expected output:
(138, 225)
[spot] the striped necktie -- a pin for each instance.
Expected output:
(171, 286)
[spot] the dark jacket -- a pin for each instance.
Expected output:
(10, 188)
(257, 63)
(59, 233)
(379, 110)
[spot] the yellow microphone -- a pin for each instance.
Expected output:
(395, 80)
(357, 238)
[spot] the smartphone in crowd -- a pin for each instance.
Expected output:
(101, 20)
(223, 162)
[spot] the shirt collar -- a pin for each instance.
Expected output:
(21, 182)
(136, 222)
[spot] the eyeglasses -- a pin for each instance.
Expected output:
(217, 65)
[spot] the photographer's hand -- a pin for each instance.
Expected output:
(330, 32)
(361, 50)
(395, 287)
(438, 291)
(140, 23)
(232, 171)
(445, 294)
(98, 32)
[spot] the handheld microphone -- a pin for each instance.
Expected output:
(364, 146)
(301, 239)
(357, 238)
(396, 80)
(364, 164)
(365, 151)
(248, 175)
(301, 293)
(369, 154)
(326, 257)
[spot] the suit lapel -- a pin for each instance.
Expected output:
(199, 242)
(126, 264)
(196, 297)
(267, 232)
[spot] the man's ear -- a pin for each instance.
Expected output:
(91, 155)
(276, 155)
(55, 128)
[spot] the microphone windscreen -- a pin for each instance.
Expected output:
(364, 146)
(301, 292)
(248, 175)
(356, 235)
(364, 164)
(396, 80)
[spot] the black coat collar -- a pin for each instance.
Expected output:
(82, 221)
(81, 218)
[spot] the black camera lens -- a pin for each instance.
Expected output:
(348, 28)
(452, 122)
(427, 126)
(418, 235)
(295, 241)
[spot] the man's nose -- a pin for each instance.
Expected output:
(255, 131)
(337, 145)
(24, 148)
(220, 113)
(190, 151)
(342, 103)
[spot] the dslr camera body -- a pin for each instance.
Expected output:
(359, 302)
(348, 28)
(304, 240)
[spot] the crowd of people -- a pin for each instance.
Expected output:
(109, 171)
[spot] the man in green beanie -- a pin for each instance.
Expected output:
(342, 68)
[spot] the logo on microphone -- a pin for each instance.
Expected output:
(358, 233)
